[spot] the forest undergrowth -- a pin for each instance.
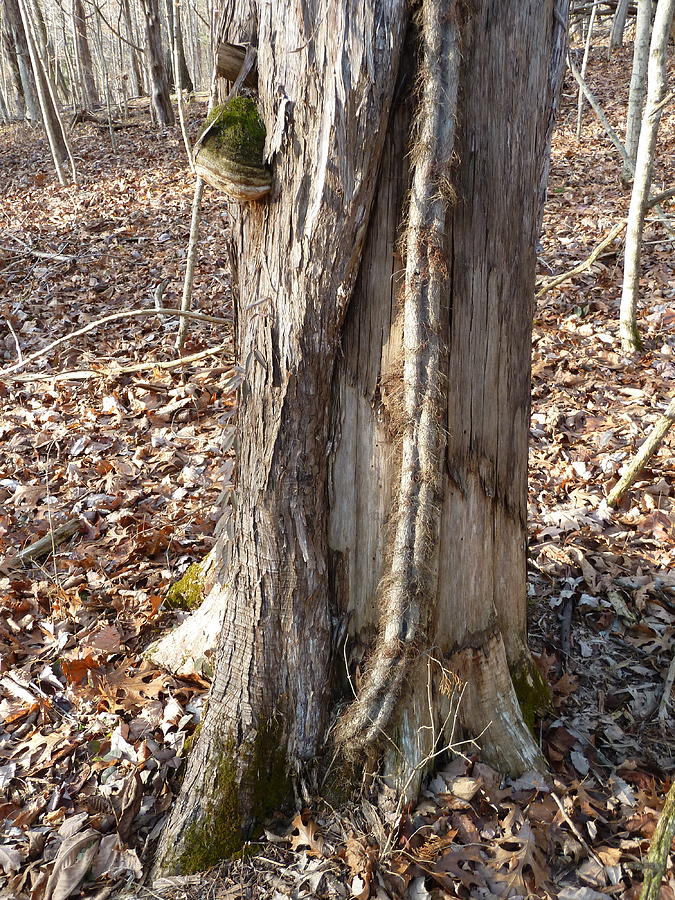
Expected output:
(102, 436)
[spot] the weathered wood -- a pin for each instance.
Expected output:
(229, 60)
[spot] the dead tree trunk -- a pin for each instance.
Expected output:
(159, 82)
(183, 77)
(383, 419)
(85, 70)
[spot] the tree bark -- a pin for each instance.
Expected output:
(618, 25)
(159, 82)
(16, 44)
(178, 49)
(85, 69)
(328, 424)
(657, 81)
(638, 82)
(136, 68)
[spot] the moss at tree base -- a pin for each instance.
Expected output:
(532, 691)
(250, 782)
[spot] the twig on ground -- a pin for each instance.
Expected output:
(575, 831)
(549, 283)
(129, 313)
(46, 544)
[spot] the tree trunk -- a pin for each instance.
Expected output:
(136, 68)
(83, 56)
(159, 82)
(618, 25)
(657, 82)
(383, 419)
(14, 39)
(185, 79)
(638, 82)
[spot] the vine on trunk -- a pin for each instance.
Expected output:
(407, 592)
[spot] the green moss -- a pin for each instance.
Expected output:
(238, 132)
(533, 693)
(262, 787)
(188, 592)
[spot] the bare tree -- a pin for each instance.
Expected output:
(16, 47)
(638, 81)
(85, 68)
(159, 82)
(657, 82)
(383, 306)
(618, 25)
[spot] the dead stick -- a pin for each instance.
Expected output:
(114, 371)
(42, 546)
(129, 313)
(639, 461)
(582, 266)
(659, 849)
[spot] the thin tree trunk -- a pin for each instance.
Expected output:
(190, 261)
(657, 80)
(159, 83)
(618, 25)
(83, 56)
(15, 40)
(49, 118)
(136, 68)
(584, 66)
(638, 82)
(327, 417)
(177, 50)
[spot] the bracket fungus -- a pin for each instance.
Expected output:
(229, 153)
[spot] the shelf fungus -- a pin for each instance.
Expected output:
(229, 153)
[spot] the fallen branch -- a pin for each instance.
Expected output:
(114, 371)
(582, 266)
(659, 849)
(129, 313)
(647, 450)
(41, 547)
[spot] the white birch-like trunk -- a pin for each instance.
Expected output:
(638, 82)
(584, 66)
(657, 81)
(334, 338)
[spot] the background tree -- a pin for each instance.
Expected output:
(85, 69)
(159, 81)
(346, 527)
(657, 84)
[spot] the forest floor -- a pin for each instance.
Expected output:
(101, 434)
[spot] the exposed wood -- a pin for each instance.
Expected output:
(229, 60)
